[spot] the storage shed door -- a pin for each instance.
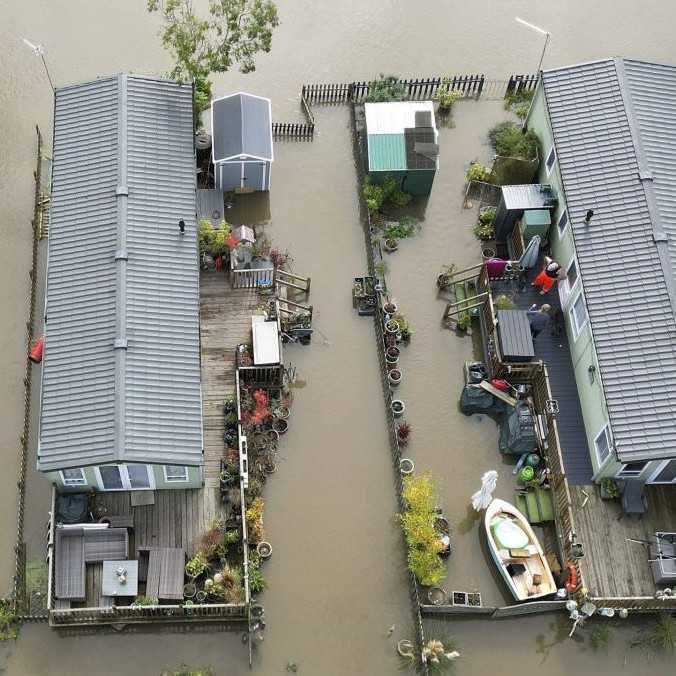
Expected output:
(253, 175)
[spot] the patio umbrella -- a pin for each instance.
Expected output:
(529, 258)
(484, 496)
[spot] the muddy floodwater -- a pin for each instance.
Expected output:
(336, 580)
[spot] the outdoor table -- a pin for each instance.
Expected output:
(265, 341)
(110, 584)
(516, 341)
(166, 569)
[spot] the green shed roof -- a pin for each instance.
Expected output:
(387, 152)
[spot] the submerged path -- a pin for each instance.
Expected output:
(336, 579)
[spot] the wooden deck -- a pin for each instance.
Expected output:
(179, 516)
(611, 566)
(225, 321)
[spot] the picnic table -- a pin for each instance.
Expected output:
(166, 567)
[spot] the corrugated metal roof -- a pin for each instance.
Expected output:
(394, 116)
(387, 152)
(241, 124)
(616, 144)
(120, 273)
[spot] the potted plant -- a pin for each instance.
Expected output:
(197, 565)
(189, 590)
(394, 377)
(403, 433)
(281, 412)
(609, 489)
(280, 426)
(406, 466)
(392, 327)
(264, 550)
(390, 307)
(464, 321)
(484, 231)
(201, 596)
(391, 245)
(404, 327)
(397, 407)
(392, 355)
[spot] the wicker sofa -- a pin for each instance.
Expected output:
(76, 547)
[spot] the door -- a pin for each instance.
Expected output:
(229, 176)
(253, 176)
(124, 477)
(665, 474)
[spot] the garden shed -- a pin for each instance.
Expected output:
(241, 126)
(402, 141)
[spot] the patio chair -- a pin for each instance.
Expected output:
(633, 499)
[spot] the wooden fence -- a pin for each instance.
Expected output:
(297, 131)
(215, 612)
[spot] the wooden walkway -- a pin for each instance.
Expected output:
(225, 321)
(612, 566)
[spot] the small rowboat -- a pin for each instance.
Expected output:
(517, 552)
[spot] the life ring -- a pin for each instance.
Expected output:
(571, 582)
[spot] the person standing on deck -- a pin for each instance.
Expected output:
(538, 319)
(549, 274)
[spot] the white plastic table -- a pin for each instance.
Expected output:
(110, 583)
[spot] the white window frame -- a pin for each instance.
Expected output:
(82, 481)
(632, 474)
(126, 481)
(549, 169)
(176, 480)
(661, 466)
(577, 330)
(566, 291)
(605, 431)
(558, 223)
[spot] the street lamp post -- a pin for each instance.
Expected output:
(537, 29)
(38, 50)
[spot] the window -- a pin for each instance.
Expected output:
(124, 477)
(632, 469)
(73, 477)
(571, 274)
(602, 443)
(175, 473)
(550, 161)
(563, 221)
(578, 315)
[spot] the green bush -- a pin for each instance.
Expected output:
(487, 215)
(484, 231)
(211, 241)
(508, 140)
(422, 539)
(478, 172)
(386, 88)
(8, 624)
(447, 96)
(406, 227)
(389, 193)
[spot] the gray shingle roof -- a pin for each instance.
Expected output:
(120, 273)
(614, 129)
(241, 124)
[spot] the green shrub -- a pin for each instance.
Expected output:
(478, 172)
(212, 241)
(8, 624)
(508, 140)
(487, 215)
(504, 302)
(404, 228)
(447, 96)
(484, 231)
(417, 522)
(386, 88)
(388, 193)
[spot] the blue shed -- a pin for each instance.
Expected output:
(241, 127)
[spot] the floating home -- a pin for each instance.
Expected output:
(600, 375)
(402, 142)
(140, 355)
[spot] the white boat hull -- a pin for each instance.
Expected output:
(525, 570)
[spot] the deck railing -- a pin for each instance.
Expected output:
(252, 278)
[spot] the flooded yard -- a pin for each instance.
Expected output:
(337, 579)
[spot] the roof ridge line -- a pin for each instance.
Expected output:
(121, 195)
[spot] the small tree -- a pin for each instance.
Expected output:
(233, 33)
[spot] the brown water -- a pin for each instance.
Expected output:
(336, 577)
